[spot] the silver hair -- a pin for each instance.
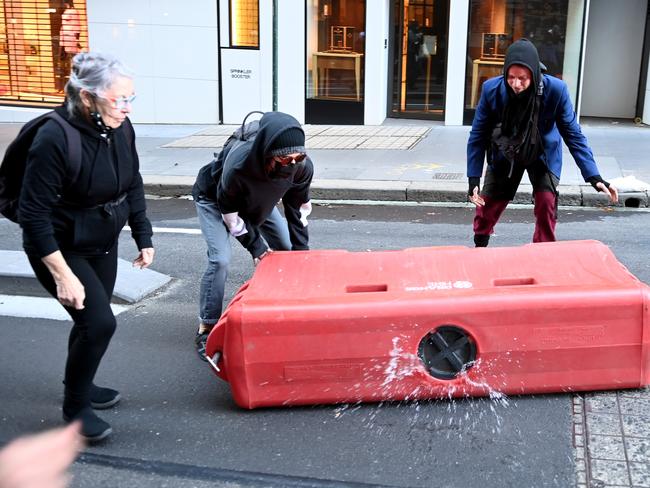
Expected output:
(94, 72)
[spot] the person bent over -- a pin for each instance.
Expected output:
(521, 119)
(236, 195)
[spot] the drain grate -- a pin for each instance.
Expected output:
(448, 176)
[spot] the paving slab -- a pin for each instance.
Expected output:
(612, 438)
(39, 307)
(132, 284)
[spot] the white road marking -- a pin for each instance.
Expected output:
(171, 230)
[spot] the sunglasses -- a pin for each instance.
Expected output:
(287, 160)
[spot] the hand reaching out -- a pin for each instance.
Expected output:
(145, 258)
(610, 191)
(40, 460)
(476, 199)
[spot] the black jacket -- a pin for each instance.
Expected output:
(237, 181)
(79, 217)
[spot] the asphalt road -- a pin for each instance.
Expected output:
(178, 426)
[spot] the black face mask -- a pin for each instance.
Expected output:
(281, 172)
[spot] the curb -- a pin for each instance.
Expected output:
(407, 191)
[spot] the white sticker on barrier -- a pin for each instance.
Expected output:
(441, 285)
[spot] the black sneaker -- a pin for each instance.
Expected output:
(199, 341)
(103, 398)
(93, 429)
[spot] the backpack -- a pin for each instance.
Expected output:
(210, 174)
(12, 169)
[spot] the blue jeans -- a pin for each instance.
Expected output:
(213, 283)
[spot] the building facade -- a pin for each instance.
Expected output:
(324, 61)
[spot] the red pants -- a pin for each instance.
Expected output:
(545, 218)
(500, 188)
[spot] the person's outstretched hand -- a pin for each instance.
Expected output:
(476, 199)
(40, 460)
(145, 258)
(610, 191)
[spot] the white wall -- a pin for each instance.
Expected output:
(242, 83)
(266, 54)
(376, 62)
(613, 52)
(574, 39)
(247, 74)
(20, 114)
(456, 61)
(291, 58)
(171, 46)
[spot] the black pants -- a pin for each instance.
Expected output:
(93, 326)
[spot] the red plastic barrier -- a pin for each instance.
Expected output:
(316, 327)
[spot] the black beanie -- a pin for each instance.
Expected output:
(524, 53)
(290, 141)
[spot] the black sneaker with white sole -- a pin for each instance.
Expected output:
(93, 429)
(103, 398)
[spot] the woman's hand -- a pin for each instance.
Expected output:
(69, 290)
(145, 258)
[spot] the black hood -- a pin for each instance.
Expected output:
(524, 53)
(271, 125)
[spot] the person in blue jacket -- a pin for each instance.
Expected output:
(520, 121)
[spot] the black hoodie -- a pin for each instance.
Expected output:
(238, 182)
(55, 216)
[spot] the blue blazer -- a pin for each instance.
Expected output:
(557, 121)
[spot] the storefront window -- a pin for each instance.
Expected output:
(244, 23)
(555, 26)
(38, 40)
(335, 55)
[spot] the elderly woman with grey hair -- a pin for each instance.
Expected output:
(71, 224)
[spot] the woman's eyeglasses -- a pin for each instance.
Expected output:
(287, 160)
(120, 103)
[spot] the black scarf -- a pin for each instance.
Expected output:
(517, 136)
(518, 111)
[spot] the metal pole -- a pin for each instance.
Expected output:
(275, 55)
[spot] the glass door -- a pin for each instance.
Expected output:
(419, 62)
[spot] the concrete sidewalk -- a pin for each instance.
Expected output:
(401, 160)
(415, 161)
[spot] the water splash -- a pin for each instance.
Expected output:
(401, 364)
